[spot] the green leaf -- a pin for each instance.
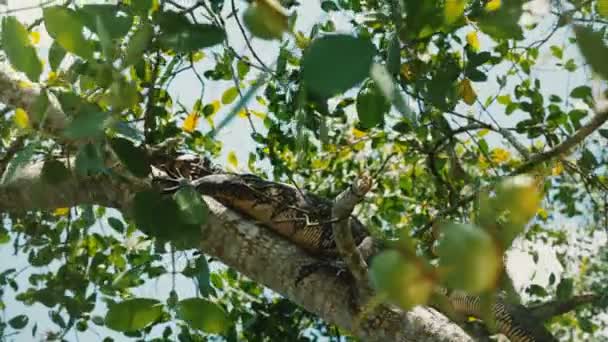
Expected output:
(134, 158)
(503, 23)
(86, 125)
(203, 315)
(192, 209)
(18, 322)
(56, 55)
(19, 50)
(581, 92)
(116, 23)
(371, 106)
(335, 63)
(593, 49)
(133, 314)
(57, 319)
(260, 80)
(89, 160)
(138, 44)
(54, 172)
(565, 289)
(537, 290)
(203, 276)
(179, 35)
(393, 58)
(66, 27)
(476, 75)
(128, 131)
(160, 217)
(116, 224)
(468, 258)
(19, 161)
(401, 280)
(329, 6)
(386, 85)
(230, 95)
(105, 39)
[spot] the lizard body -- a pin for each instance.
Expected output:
(305, 219)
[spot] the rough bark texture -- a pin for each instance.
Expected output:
(251, 249)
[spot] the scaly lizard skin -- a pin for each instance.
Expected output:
(305, 219)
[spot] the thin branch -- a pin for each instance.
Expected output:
(554, 308)
(596, 122)
(244, 34)
(564, 147)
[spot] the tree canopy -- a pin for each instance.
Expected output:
(478, 122)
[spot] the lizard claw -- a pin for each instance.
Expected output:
(339, 270)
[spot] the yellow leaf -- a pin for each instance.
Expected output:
(557, 169)
(524, 194)
(232, 159)
(301, 40)
(23, 84)
(320, 164)
(191, 122)
(259, 114)
(35, 37)
(266, 19)
(52, 77)
(155, 5)
(242, 113)
(21, 118)
(197, 56)
(406, 72)
(210, 121)
(483, 132)
(473, 40)
(500, 155)
(261, 100)
(542, 213)
(602, 8)
(483, 162)
(61, 212)
(357, 133)
(230, 95)
(466, 92)
(493, 5)
(453, 10)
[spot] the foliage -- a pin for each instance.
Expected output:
(401, 93)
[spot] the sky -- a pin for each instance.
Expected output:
(236, 136)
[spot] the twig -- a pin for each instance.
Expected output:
(242, 29)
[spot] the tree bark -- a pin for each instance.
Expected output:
(254, 251)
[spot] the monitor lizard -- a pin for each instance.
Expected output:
(305, 219)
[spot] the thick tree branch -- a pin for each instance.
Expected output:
(253, 250)
(16, 92)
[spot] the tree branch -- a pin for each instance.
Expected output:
(341, 211)
(596, 122)
(253, 250)
(547, 310)
(16, 92)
